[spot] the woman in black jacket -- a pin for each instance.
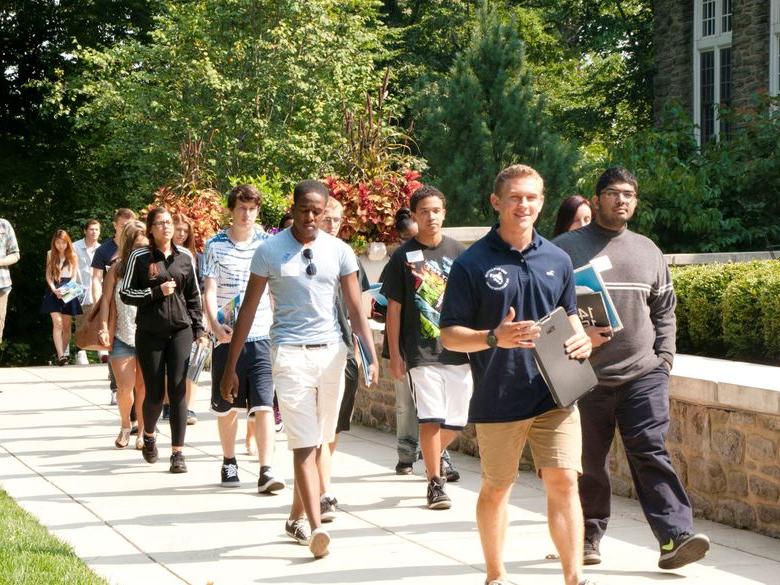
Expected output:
(162, 282)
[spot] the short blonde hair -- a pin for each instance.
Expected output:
(517, 171)
(334, 203)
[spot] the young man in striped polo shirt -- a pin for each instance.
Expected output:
(226, 274)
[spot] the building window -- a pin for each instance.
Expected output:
(774, 49)
(712, 84)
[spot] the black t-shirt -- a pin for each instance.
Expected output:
(416, 277)
(105, 255)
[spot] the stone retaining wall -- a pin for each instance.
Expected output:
(727, 458)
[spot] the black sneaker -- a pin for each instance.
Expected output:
(402, 468)
(149, 450)
(134, 430)
(177, 463)
(591, 554)
(112, 401)
(437, 497)
(297, 530)
(267, 483)
(684, 549)
(327, 508)
(230, 475)
(447, 469)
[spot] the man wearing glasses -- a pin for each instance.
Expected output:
(331, 224)
(303, 268)
(633, 368)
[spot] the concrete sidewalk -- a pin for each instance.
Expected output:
(137, 523)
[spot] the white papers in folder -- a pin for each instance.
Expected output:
(364, 357)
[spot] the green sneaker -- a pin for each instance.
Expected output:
(683, 550)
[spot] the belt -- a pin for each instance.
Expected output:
(314, 345)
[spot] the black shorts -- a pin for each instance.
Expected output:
(255, 383)
(350, 390)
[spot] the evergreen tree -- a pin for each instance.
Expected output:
(484, 116)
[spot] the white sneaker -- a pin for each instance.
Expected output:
(319, 542)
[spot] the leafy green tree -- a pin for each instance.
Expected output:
(486, 115)
(43, 183)
(262, 83)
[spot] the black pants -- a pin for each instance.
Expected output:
(165, 358)
(351, 372)
(640, 409)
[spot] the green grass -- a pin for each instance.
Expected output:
(29, 555)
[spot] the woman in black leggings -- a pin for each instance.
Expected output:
(161, 281)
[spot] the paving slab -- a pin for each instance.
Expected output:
(133, 522)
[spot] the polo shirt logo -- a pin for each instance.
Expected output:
(550, 273)
(497, 278)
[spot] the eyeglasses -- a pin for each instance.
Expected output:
(615, 194)
(308, 254)
(331, 220)
(162, 223)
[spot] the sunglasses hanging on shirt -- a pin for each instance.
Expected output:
(311, 268)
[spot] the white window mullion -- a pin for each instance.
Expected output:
(774, 49)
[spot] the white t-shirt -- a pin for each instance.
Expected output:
(85, 256)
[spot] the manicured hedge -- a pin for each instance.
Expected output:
(729, 310)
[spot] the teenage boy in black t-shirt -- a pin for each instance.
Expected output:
(415, 279)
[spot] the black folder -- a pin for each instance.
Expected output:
(568, 379)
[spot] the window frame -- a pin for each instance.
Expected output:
(716, 42)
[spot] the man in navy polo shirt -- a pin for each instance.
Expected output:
(512, 273)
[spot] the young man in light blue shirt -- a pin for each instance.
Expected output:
(303, 268)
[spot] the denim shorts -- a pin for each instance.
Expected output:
(121, 350)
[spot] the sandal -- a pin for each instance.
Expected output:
(122, 439)
(139, 442)
(62, 360)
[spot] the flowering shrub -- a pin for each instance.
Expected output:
(204, 207)
(369, 207)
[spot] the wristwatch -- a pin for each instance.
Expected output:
(491, 339)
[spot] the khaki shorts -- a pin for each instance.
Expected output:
(555, 438)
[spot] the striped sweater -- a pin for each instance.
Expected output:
(641, 287)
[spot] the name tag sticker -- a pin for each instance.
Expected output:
(291, 269)
(601, 263)
(415, 256)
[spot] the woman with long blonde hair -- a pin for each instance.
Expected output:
(62, 265)
(123, 358)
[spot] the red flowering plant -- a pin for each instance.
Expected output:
(376, 172)
(204, 207)
(193, 195)
(370, 206)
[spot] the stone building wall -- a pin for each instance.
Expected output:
(750, 50)
(728, 460)
(673, 40)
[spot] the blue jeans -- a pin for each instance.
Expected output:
(407, 429)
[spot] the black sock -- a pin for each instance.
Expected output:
(229, 460)
(264, 468)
